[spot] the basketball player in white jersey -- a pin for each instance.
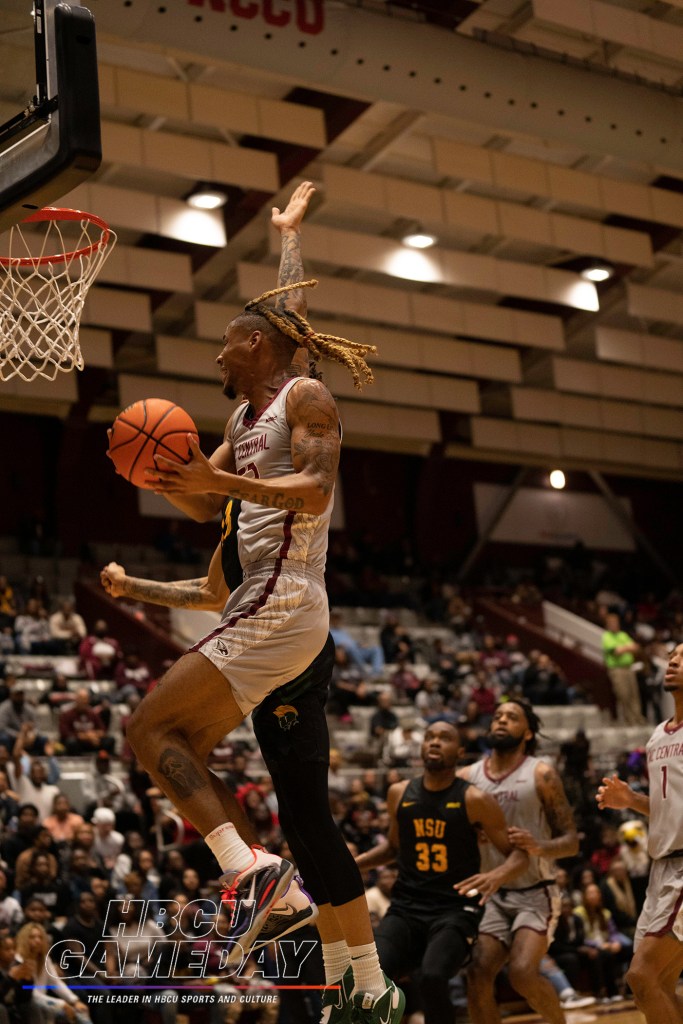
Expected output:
(280, 458)
(658, 958)
(519, 919)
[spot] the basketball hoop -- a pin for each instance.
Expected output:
(44, 281)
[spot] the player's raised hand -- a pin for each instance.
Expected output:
(290, 218)
(614, 793)
(198, 476)
(112, 577)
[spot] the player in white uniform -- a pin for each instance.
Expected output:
(658, 959)
(280, 458)
(519, 920)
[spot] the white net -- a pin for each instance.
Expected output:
(52, 259)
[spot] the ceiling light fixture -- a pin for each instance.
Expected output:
(598, 271)
(557, 479)
(207, 199)
(419, 240)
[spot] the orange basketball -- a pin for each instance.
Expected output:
(147, 428)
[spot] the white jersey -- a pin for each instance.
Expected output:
(519, 801)
(665, 768)
(262, 448)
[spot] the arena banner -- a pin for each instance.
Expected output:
(553, 518)
(370, 53)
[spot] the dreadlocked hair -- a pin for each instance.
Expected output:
(294, 326)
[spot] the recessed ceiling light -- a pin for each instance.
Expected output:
(419, 240)
(207, 199)
(598, 272)
(557, 479)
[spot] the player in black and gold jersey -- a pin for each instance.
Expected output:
(436, 823)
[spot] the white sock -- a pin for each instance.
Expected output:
(336, 958)
(367, 973)
(231, 852)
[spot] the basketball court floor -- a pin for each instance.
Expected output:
(621, 1013)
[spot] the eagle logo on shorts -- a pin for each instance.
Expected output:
(221, 648)
(287, 716)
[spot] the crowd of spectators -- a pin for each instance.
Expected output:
(60, 865)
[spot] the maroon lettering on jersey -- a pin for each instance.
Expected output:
(255, 444)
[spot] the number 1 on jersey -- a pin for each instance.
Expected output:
(665, 769)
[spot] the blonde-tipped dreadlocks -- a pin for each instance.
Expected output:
(293, 325)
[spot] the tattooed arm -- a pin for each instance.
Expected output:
(288, 223)
(565, 841)
(314, 422)
(206, 593)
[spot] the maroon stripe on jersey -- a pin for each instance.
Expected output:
(249, 421)
(265, 593)
(672, 918)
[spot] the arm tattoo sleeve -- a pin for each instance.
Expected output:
(318, 448)
(557, 809)
(291, 270)
(179, 594)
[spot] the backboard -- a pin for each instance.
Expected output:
(52, 145)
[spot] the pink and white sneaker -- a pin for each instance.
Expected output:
(252, 893)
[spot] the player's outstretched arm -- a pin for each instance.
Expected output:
(314, 423)
(484, 813)
(288, 223)
(565, 839)
(616, 794)
(207, 593)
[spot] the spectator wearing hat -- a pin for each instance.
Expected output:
(108, 842)
(81, 728)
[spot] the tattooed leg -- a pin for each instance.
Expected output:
(169, 735)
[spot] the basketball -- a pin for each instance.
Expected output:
(150, 427)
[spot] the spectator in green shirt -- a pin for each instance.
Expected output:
(619, 652)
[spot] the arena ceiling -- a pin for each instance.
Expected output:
(530, 137)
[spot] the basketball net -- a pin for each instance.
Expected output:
(44, 280)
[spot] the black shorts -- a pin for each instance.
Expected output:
(439, 944)
(290, 724)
